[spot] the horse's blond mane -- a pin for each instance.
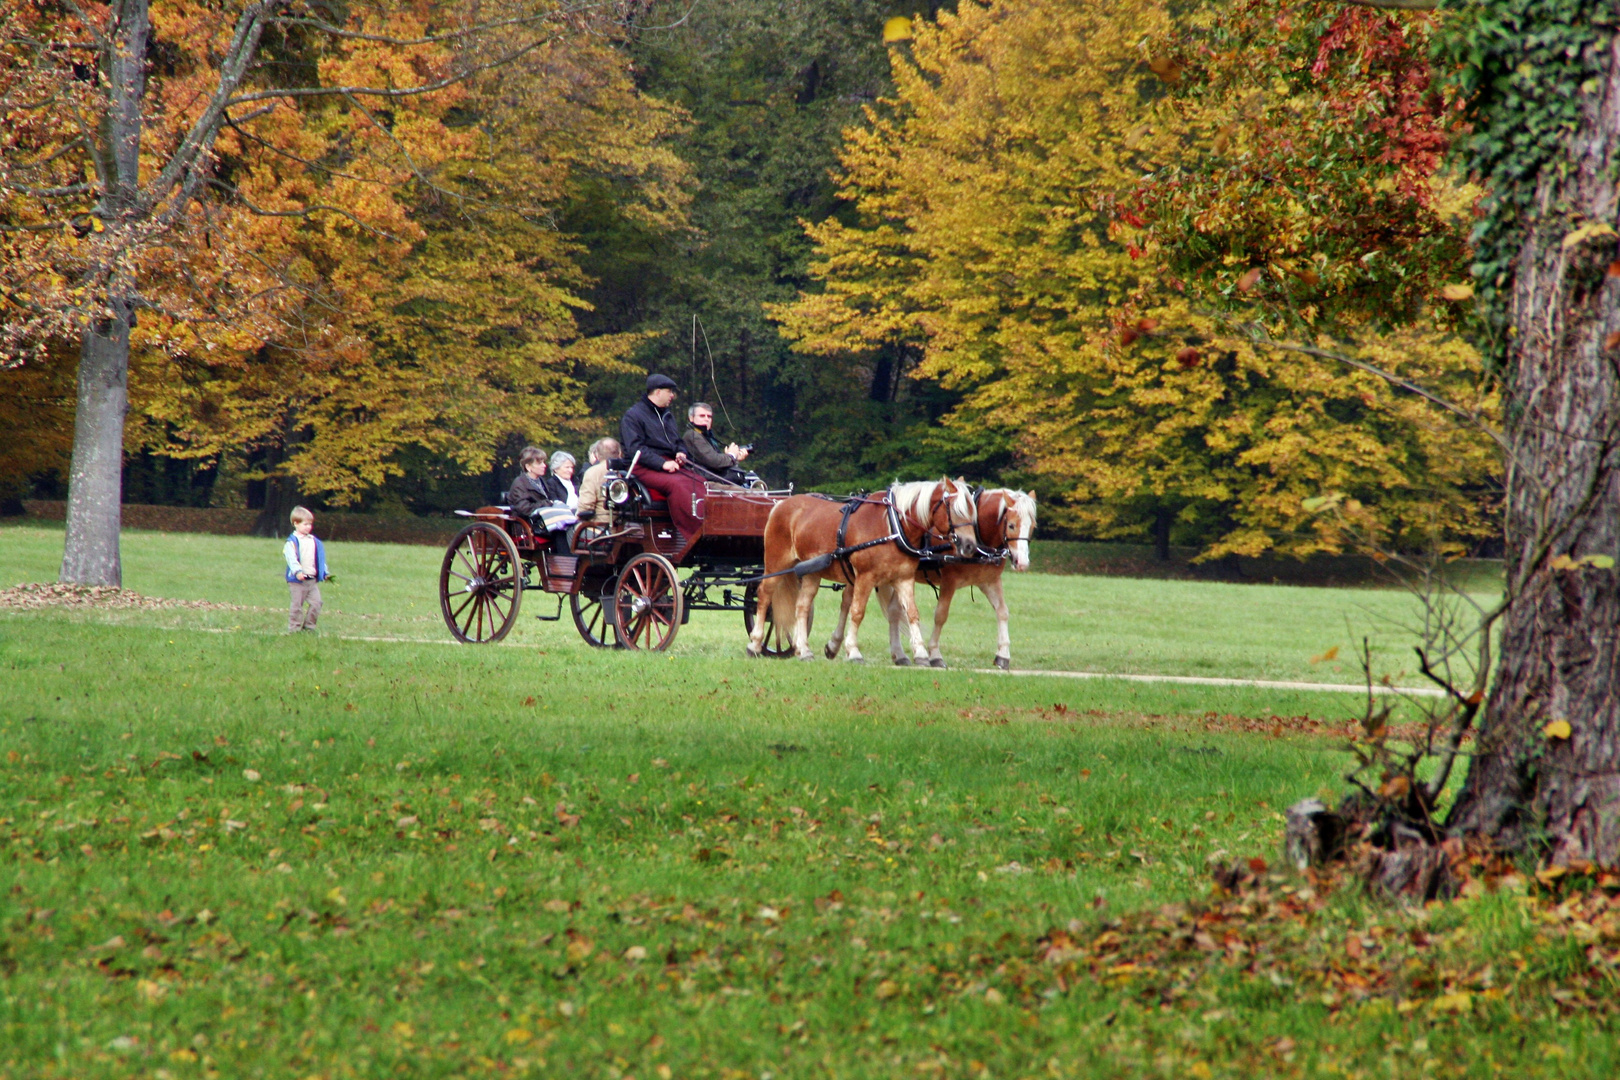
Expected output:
(909, 497)
(911, 500)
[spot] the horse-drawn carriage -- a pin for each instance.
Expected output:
(622, 581)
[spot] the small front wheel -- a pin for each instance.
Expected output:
(591, 606)
(648, 603)
(481, 584)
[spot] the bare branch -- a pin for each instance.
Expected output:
(51, 192)
(391, 92)
(232, 70)
(236, 193)
(449, 35)
(1261, 337)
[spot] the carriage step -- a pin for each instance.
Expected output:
(561, 566)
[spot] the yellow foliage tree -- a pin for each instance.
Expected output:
(995, 229)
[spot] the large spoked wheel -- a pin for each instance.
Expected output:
(591, 607)
(648, 603)
(480, 584)
(778, 640)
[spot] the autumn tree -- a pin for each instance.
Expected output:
(1002, 234)
(451, 321)
(146, 184)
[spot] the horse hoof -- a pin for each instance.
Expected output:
(831, 651)
(937, 661)
(1004, 663)
(902, 661)
(750, 654)
(805, 656)
(857, 659)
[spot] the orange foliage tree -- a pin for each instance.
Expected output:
(293, 225)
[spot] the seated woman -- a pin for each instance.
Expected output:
(545, 505)
(562, 479)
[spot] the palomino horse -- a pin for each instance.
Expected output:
(1006, 519)
(867, 542)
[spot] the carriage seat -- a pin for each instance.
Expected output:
(648, 495)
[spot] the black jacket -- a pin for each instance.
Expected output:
(527, 496)
(704, 449)
(653, 432)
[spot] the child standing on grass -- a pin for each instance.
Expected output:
(306, 569)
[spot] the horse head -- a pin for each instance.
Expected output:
(961, 518)
(1006, 522)
(1018, 526)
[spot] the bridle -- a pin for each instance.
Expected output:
(953, 528)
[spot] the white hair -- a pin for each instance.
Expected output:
(561, 457)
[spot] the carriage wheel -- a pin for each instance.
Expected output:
(648, 602)
(589, 606)
(480, 584)
(778, 640)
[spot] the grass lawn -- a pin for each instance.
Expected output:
(237, 853)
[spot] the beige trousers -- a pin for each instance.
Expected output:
(304, 592)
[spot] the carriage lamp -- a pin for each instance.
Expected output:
(618, 492)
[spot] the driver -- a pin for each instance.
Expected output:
(704, 449)
(650, 430)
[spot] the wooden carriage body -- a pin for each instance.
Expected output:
(628, 581)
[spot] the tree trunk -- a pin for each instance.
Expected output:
(281, 493)
(95, 482)
(1531, 790)
(1163, 518)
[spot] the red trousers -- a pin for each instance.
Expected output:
(684, 491)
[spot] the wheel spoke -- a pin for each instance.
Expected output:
(456, 614)
(462, 555)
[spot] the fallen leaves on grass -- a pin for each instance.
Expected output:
(37, 595)
(1262, 928)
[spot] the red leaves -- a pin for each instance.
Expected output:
(1257, 865)
(1142, 328)
(1250, 278)
(1612, 341)
(1188, 357)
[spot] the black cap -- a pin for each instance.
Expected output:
(660, 382)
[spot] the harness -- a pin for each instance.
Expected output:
(896, 536)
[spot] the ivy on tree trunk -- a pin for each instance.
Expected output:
(1535, 785)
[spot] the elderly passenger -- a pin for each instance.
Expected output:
(591, 504)
(562, 472)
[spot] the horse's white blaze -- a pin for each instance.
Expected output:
(1021, 518)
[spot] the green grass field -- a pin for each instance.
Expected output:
(233, 852)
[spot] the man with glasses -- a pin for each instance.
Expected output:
(704, 449)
